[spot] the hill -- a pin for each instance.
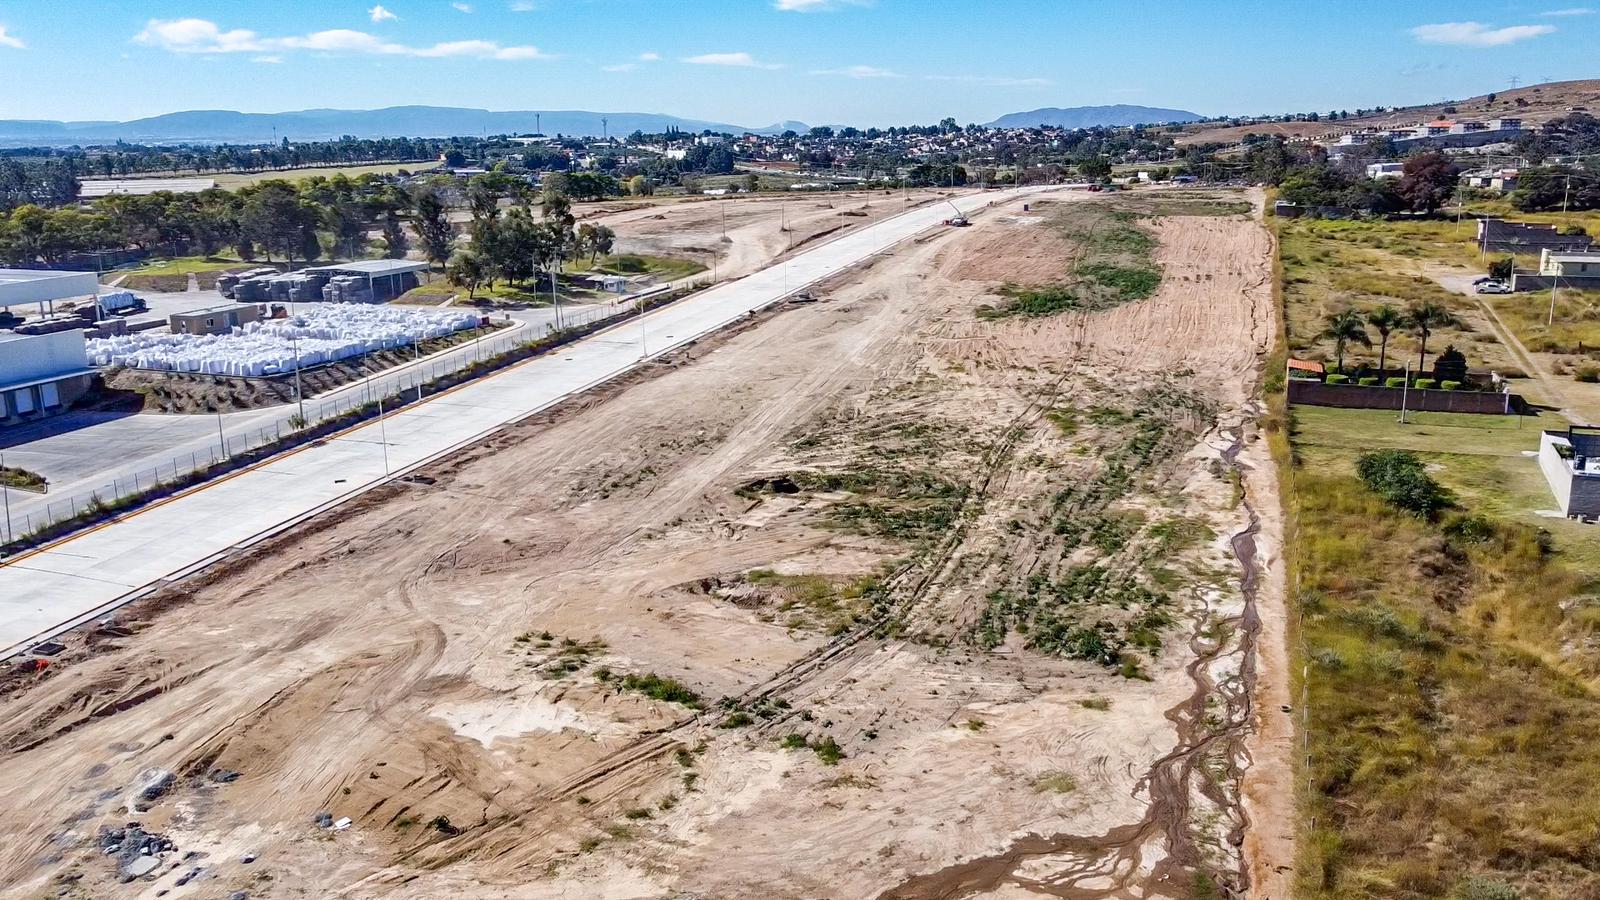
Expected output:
(228, 126)
(1534, 105)
(1093, 116)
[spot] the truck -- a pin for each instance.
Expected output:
(121, 303)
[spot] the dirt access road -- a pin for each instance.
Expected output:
(824, 547)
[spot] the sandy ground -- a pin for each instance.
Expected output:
(439, 662)
(745, 233)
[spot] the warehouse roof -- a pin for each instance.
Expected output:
(374, 268)
(19, 286)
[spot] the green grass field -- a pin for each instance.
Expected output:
(1452, 666)
(665, 268)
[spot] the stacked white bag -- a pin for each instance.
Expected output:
(322, 332)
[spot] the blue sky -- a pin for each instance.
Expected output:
(753, 62)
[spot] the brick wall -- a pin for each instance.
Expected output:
(1355, 396)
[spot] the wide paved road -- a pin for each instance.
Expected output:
(82, 577)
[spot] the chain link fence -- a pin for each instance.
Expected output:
(409, 384)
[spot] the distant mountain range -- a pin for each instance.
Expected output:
(225, 126)
(1093, 116)
(215, 126)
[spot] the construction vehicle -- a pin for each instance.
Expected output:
(959, 220)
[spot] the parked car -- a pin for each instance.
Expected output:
(1493, 287)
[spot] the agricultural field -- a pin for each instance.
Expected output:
(232, 180)
(956, 603)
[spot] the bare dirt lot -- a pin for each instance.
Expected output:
(746, 232)
(872, 598)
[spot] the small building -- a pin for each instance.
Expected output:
(1576, 266)
(1386, 170)
(214, 319)
(41, 374)
(385, 279)
(1570, 461)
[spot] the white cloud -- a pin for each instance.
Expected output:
(620, 67)
(1477, 34)
(7, 40)
(462, 7)
(201, 36)
(740, 59)
(1571, 11)
(522, 6)
(379, 14)
(859, 72)
(649, 57)
(992, 80)
(267, 59)
(809, 6)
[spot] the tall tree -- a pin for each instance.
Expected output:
(430, 219)
(1427, 180)
(1386, 319)
(466, 269)
(1345, 328)
(1424, 319)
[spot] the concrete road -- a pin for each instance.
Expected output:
(109, 456)
(79, 578)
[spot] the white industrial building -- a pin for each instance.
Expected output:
(41, 374)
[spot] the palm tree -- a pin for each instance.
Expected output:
(1344, 328)
(1386, 319)
(1423, 319)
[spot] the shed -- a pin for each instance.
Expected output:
(385, 279)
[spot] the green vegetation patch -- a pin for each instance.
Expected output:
(656, 687)
(828, 602)
(21, 479)
(1128, 282)
(890, 501)
(1117, 266)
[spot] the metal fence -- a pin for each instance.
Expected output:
(399, 384)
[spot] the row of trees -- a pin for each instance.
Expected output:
(1421, 319)
(293, 221)
(122, 159)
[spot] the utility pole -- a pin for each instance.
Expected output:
(5, 491)
(1403, 392)
(1555, 276)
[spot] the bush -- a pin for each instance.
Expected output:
(1423, 384)
(1400, 477)
(1368, 381)
(1394, 382)
(665, 689)
(1449, 385)
(1587, 375)
(1338, 379)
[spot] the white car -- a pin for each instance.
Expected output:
(1493, 287)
